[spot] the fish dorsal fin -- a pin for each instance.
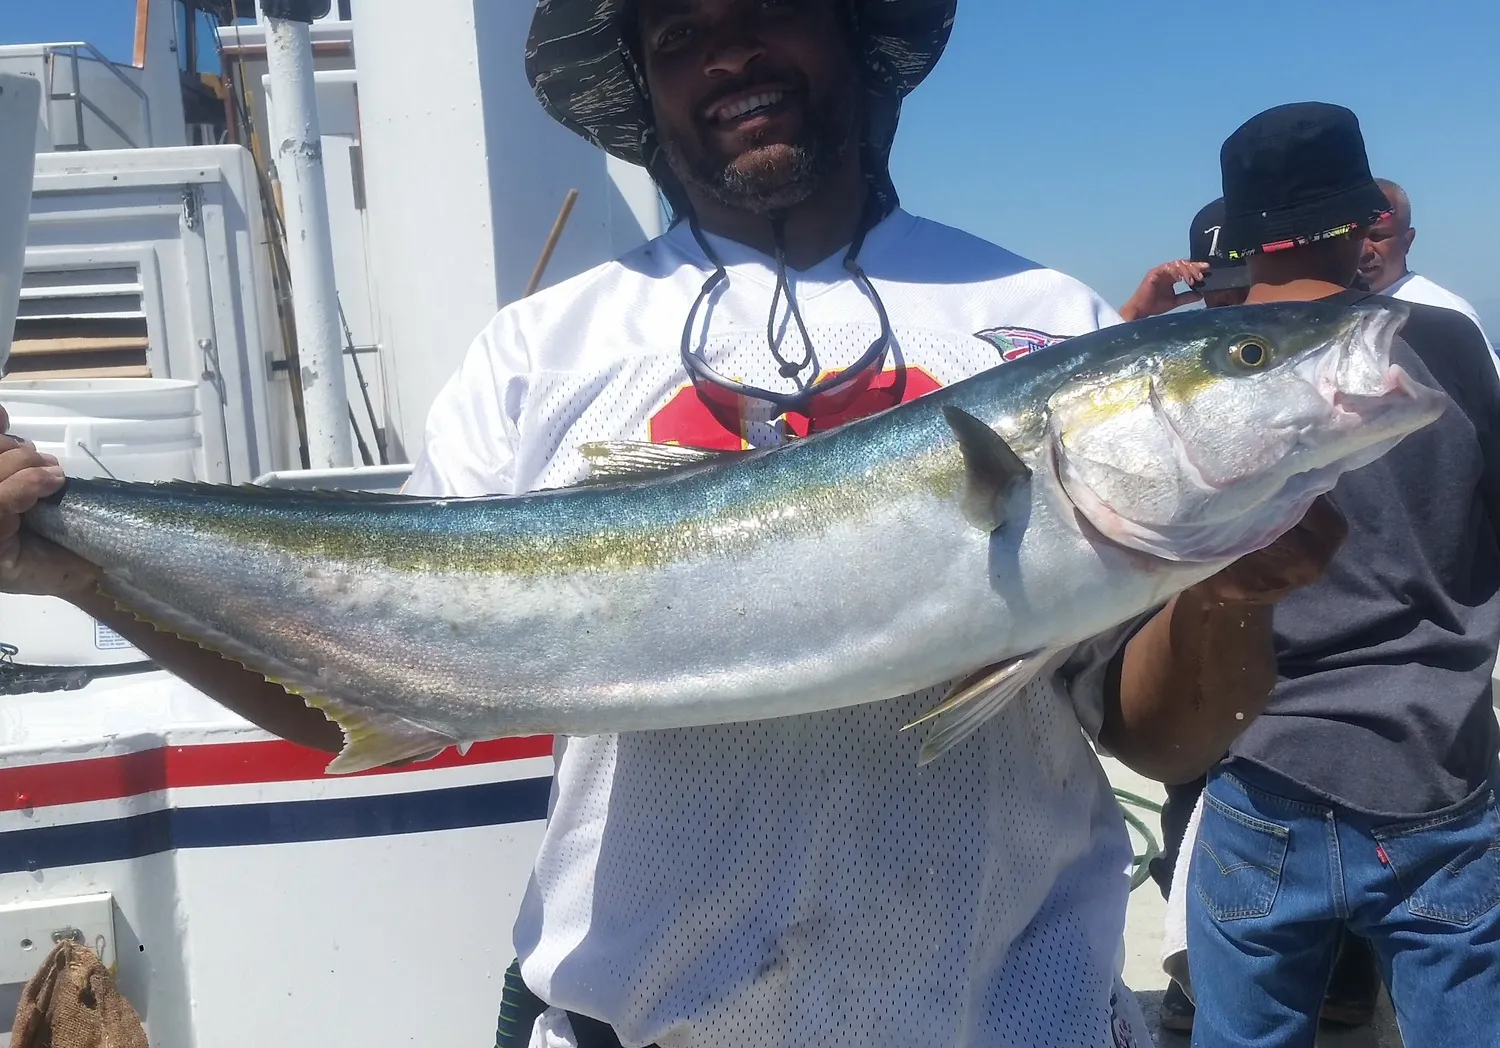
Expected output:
(245, 491)
(992, 469)
(616, 460)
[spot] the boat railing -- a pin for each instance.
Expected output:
(74, 54)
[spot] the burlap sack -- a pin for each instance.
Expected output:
(72, 1002)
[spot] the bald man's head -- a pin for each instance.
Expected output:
(1388, 241)
(1399, 200)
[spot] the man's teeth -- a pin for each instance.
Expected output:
(748, 105)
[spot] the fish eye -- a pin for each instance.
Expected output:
(1250, 353)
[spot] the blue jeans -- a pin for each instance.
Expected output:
(1274, 880)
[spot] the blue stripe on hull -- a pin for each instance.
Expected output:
(284, 822)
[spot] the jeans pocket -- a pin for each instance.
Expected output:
(1448, 868)
(1237, 861)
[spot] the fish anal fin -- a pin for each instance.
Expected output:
(616, 460)
(992, 469)
(978, 697)
(372, 739)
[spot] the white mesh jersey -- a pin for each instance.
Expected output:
(1414, 287)
(801, 881)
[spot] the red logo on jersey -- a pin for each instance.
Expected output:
(686, 420)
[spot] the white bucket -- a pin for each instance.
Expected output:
(137, 429)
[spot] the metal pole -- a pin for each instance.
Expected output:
(309, 241)
(77, 97)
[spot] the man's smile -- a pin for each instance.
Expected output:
(751, 110)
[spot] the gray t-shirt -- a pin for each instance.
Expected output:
(1384, 702)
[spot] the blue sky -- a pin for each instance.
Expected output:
(1085, 133)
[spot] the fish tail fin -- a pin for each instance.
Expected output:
(373, 739)
(976, 699)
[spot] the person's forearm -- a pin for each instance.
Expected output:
(266, 705)
(1190, 681)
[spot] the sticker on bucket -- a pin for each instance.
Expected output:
(106, 639)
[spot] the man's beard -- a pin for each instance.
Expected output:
(767, 177)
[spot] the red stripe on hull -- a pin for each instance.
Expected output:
(234, 763)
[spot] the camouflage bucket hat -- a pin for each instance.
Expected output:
(581, 67)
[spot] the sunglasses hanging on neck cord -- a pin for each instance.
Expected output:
(733, 401)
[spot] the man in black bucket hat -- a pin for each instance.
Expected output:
(798, 880)
(1364, 798)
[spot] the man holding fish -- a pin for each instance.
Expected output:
(1056, 550)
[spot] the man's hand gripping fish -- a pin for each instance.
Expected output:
(972, 535)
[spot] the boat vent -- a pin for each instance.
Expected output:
(86, 322)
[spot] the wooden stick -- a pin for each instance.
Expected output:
(142, 24)
(557, 228)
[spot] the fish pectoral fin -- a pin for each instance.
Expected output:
(373, 739)
(614, 460)
(991, 469)
(977, 698)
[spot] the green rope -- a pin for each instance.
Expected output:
(519, 1009)
(1141, 872)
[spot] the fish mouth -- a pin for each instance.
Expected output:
(1398, 390)
(1360, 383)
(1359, 360)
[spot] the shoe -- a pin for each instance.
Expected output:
(1176, 1010)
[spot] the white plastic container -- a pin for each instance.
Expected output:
(125, 428)
(137, 429)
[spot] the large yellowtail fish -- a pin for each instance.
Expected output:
(973, 535)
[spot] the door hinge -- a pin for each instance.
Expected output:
(192, 205)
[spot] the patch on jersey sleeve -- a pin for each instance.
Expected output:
(1016, 342)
